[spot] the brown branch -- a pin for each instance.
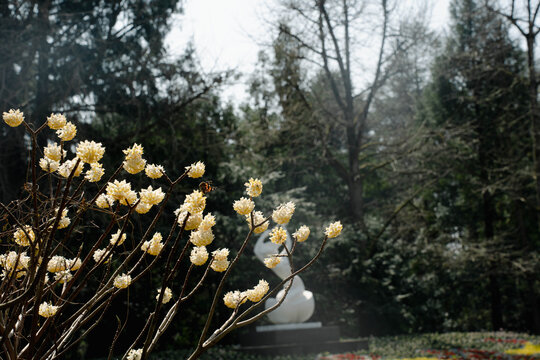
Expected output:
(326, 67)
(375, 85)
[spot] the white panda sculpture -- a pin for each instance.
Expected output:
(299, 304)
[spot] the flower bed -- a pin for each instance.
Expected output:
(500, 345)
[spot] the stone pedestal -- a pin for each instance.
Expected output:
(303, 338)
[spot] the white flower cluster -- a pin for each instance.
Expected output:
(122, 281)
(47, 310)
(154, 245)
(233, 299)
(134, 163)
(167, 295)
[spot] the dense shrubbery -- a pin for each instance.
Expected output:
(410, 346)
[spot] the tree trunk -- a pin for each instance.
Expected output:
(533, 303)
(534, 121)
(496, 307)
(489, 213)
(494, 287)
(356, 199)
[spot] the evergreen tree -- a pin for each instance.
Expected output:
(90, 59)
(477, 93)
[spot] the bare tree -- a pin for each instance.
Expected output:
(326, 38)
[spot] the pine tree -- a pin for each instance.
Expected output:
(477, 92)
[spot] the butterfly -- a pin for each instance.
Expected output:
(206, 187)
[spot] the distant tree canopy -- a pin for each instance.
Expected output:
(435, 171)
(105, 66)
(430, 156)
(478, 92)
(91, 59)
(81, 55)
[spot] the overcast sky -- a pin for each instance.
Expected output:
(226, 33)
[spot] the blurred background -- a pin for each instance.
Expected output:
(414, 123)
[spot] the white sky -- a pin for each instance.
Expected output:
(226, 34)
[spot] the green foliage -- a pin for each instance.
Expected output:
(415, 345)
(388, 347)
(446, 162)
(79, 57)
(448, 236)
(476, 97)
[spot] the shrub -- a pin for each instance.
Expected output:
(69, 252)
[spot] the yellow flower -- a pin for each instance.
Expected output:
(74, 264)
(100, 255)
(95, 173)
(54, 152)
(198, 255)
(195, 202)
(272, 262)
(122, 281)
(193, 220)
(150, 196)
(134, 152)
(64, 223)
(234, 298)
(167, 296)
(134, 166)
(154, 171)
(47, 309)
(253, 187)
(7, 274)
(49, 165)
(207, 223)
(259, 221)
(67, 132)
(24, 237)
(528, 349)
(116, 240)
(57, 263)
(143, 207)
(14, 261)
(56, 121)
(134, 163)
(130, 199)
(201, 238)
(278, 235)
(67, 167)
(104, 201)
(121, 191)
(257, 293)
(64, 220)
(13, 118)
(221, 254)
(196, 170)
(333, 230)
(220, 262)
(134, 354)
(154, 245)
(243, 206)
(63, 276)
(90, 151)
(283, 213)
(301, 234)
